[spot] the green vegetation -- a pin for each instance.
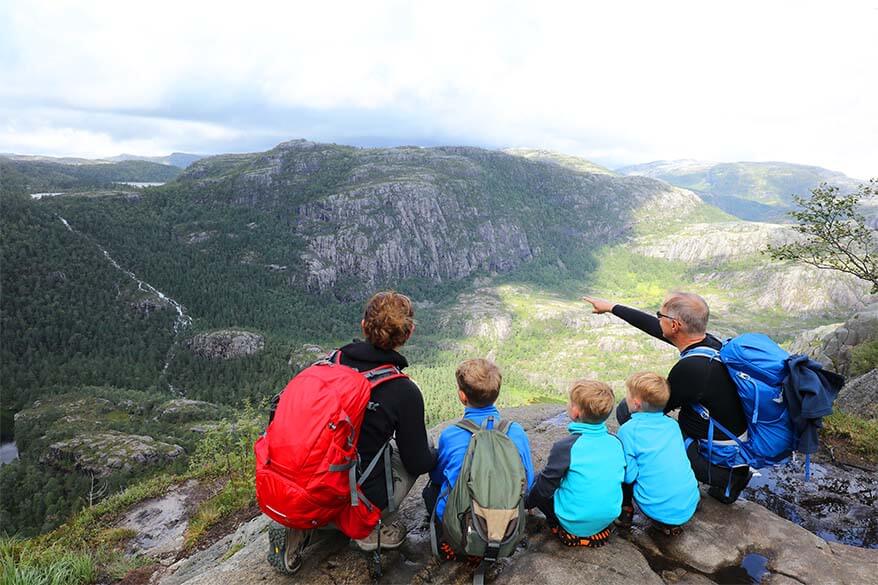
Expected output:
(231, 240)
(26, 565)
(862, 433)
(864, 358)
(88, 545)
(755, 191)
(33, 176)
(836, 236)
(47, 494)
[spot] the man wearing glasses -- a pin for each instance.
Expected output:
(682, 322)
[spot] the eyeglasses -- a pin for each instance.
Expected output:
(659, 315)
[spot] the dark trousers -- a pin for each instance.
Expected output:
(725, 483)
(431, 496)
(548, 509)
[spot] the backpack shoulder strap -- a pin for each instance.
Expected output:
(382, 374)
(468, 425)
(503, 426)
(702, 351)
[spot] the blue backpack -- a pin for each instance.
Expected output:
(758, 367)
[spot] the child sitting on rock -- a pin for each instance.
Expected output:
(478, 386)
(658, 474)
(580, 489)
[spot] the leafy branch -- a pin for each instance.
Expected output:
(835, 233)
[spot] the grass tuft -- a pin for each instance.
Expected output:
(862, 433)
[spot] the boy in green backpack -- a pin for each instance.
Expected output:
(461, 449)
(580, 489)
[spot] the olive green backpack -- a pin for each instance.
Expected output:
(484, 515)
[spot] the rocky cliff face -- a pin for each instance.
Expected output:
(832, 344)
(713, 243)
(226, 344)
(109, 452)
(363, 217)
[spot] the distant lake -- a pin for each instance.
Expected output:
(138, 184)
(8, 452)
(41, 195)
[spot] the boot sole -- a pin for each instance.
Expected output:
(277, 551)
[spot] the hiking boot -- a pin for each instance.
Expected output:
(593, 541)
(446, 552)
(285, 547)
(392, 536)
(738, 480)
(667, 529)
(625, 519)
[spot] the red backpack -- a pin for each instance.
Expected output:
(307, 462)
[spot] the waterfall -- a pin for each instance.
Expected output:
(180, 323)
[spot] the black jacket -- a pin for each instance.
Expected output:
(400, 411)
(695, 380)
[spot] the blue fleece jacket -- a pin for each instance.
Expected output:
(453, 443)
(583, 479)
(664, 484)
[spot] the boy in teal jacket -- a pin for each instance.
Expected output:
(580, 489)
(658, 474)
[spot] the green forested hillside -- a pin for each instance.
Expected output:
(495, 249)
(32, 176)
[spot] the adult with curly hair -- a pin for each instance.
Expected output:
(396, 409)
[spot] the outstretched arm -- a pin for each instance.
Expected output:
(643, 321)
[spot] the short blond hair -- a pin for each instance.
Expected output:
(480, 380)
(650, 388)
(595, 400)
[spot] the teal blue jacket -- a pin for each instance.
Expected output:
(583, 478)
(665, 488)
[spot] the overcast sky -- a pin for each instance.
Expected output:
(616, 82)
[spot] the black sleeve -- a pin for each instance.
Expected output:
(687, 379)
(543, 490)
(643, 321)
(411, 435)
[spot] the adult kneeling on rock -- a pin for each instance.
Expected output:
(682, 322)
(346, 442)
(396, 409)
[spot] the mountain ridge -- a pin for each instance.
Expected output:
(752, 190)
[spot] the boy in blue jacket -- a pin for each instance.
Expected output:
(580, 489)
(478, 386)
(658, 474)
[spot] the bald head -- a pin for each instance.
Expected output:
(690, 310)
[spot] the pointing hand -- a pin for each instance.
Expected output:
(599, 305)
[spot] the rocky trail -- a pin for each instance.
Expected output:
(741, 543)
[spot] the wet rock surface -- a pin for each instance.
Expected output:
(838, 503)
(742, 543)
